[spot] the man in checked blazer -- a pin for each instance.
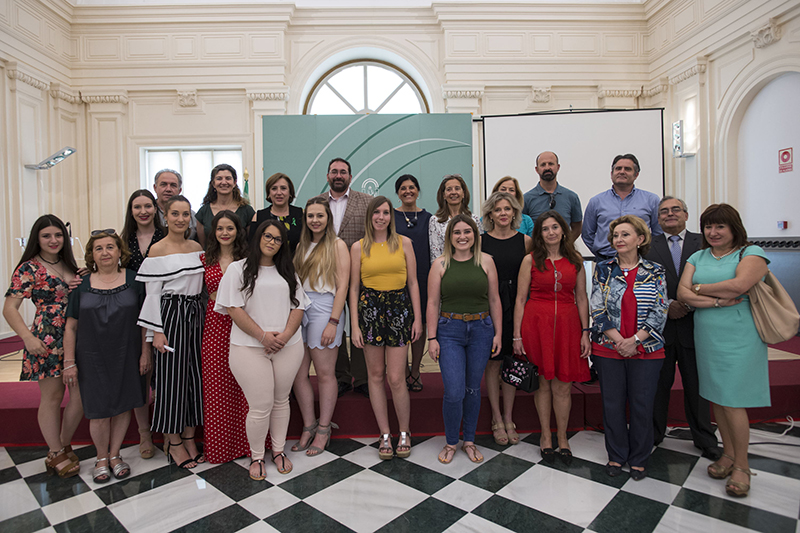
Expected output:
(349, 209)
(672, 249)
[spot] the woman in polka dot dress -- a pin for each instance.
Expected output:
(224, 403)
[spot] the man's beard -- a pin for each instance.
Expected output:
(339, 185)
(548, 175)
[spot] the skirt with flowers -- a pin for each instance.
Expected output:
(385, 317)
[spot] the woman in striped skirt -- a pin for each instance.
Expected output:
(173, 313)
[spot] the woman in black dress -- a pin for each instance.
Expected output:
(110, 351)
(508, 247)
(280, 193)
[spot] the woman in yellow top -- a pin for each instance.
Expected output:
(384, 302)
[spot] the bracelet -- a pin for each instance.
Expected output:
(516, 339)
(586, 329)
(432, 339)
(334, 321)
(262, 338)
(68, 367)
(69, 360)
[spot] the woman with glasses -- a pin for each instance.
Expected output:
(223, 195)
(143, 228)
(511, 186)
(508, 247)
(453, 199)
(413, 221)
(173, 314)
(280, 194)
(110, 351)
(265, 300)
(551, 326)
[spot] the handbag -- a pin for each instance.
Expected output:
(774, 312)
(524, 375)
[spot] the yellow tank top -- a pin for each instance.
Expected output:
(383, 270)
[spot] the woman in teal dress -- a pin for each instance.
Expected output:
(732, 361)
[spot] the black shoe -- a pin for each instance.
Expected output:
(565, 454)
(548, 455)
(638, 475)
(344, 387)
(362, 389)
(613, 470)
(712, 452)
(592, 377)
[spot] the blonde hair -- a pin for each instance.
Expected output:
(491, 203)
(392, 238)
(639, 226)
(320, 265)
(448, 240)
(517, 193)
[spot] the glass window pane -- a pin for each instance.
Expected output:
(158, 161)
(350, 84)
(327, 103)
(197, 167)
(405, 101)
(380, 84)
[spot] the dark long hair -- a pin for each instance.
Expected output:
(213, 248)
(130, 227)
(566, 248)
(211, 194)
(724, 214)
(283, 261)
(33, 247)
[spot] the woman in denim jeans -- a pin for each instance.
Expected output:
(629, 309)
(465, 331)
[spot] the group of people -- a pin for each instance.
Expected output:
(223, 312)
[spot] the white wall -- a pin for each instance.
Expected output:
(770, 123)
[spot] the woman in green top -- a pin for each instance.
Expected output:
(465, 331)
(223, 193)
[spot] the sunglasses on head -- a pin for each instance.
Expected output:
(109, 231)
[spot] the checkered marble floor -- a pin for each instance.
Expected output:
(349, 489)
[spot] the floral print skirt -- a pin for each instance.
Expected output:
(385, 317)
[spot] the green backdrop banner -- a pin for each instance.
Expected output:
(380, 148)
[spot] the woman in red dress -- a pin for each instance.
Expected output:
(553, 329)
(224, 403)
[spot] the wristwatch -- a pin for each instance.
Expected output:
(636, 338)
(696, 289)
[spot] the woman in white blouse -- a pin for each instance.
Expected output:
(173, 314)
(265, 299)
(453, 199)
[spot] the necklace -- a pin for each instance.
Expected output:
(49, 262)
(408, 220)
(723, 255)
(58, 271)
(99, 277)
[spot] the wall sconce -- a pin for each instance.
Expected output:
(53, 160)
(679, 140)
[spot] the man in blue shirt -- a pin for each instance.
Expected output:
(548, 194)
(621, 199)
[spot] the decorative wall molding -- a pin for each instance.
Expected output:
(657, 89)
(603, 92)
(60, 94)
(449, 94)
(688, 73)
(14, 74)
(104, 98)
(541, 95)
(187, 98)
(261, 95)
(766, 35)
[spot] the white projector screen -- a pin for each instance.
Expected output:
(585, 142)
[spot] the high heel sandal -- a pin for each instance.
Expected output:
(101, 474)
(321, 430)
(147, 451)
(511, 430)
(739, 489)
(197, 458)
(60, 463)
(404, 444)
(717, 471)
(282, 468)
(499, 433)
(121, 469)
(311, 430)
(71, 454)
(385, 450)
(170, 459)
(262, 471)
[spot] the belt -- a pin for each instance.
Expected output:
(466, 317)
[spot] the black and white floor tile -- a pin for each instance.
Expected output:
(348, 488)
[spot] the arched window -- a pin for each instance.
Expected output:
(365, 86)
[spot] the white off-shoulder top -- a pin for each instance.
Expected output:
(168, 274)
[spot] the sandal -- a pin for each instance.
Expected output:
(146, 448)
(71, 454)
(262, 472)
(717, 471)
(447, 454)
(200, 458)
(60, 463)
(404, 444)
(282, 468)
(739, 489)
(476, 456)
(499, 433)
(385, 451)
(414, 384)
(168, 446)
(313, 451)
(511, 430)
(101, 474)
(312, 431)
(121, 469)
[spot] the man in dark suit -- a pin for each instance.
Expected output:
(671, 249)
(349, 209)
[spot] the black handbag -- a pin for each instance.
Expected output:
(522, 374)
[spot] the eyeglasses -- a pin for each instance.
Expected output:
(109, 231)
(334, 172)
(674, 210)
(552, 200)
(269, 237)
